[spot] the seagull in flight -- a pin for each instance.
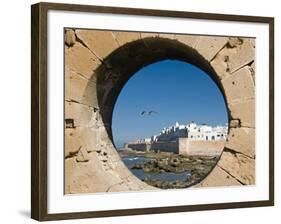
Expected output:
(149, 112)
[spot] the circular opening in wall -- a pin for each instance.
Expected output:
(169, 124)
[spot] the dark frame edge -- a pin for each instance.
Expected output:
(271, 111)
(39, 111)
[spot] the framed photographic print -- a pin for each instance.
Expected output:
(138, 111)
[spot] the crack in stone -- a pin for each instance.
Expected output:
(116, 39)
(95, 109)
(81, 75)
(210, 61)
(85, 45)
(119, 183)
(242, 66)
(234, 152)
(231, 175)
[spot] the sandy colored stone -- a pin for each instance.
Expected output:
(253, 71)
(97, 166)
(80, 89)
(81, 60)
(239, 86)
(102, 43)
(72, 141)
(242, 55)
(234, 123)
(230, 59)
(239, 166)
(82, 155)
(166, 35)
(218, 177)
(242, 140)
(234, 42)
(126, 37)
(188, 40)
(209, 46)
(145, 35)
(245, 111)
(88, 177)
(83, 115)
(69, 37)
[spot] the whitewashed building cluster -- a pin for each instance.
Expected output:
(191, 131)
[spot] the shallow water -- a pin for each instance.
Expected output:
(167, 176)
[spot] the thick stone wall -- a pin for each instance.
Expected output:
(144, 147)
(165, 146)
(200, 148)
(99, 63)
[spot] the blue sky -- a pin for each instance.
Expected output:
(177, 90)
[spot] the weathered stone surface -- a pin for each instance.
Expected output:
(253, 71)
(80, 89)
(145, 35)
(218, 177)
(89, 138)
(239, 166)
(126, 37)
(209, 46)
(102, 43)
(245, 111)
(166, 35)
(72, 141)
(92, 164)
(79, 59)
(82, 115)
(188, 40)
(239, 86)
(69, 37)
(235, 123)
(230, 59)
(82, 155)
(242, 140)
(88, 177)
(234, 42)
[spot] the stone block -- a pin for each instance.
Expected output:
(145, 35)
(218, 177)
(72, 141)
(126, 37)
(242, 140)
(80, 89)
(239, 86)
(166, 35)
(102, 43)
(82, 155)
(244, 111)
(81, 60)
(230, 59)
(69, 37)
(209, 46)
(80, 113)
(188, 40)
(240, 167)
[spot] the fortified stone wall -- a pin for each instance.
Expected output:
(200, 148)
(144, 147)
(165, 146)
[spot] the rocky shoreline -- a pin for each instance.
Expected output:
(197, 167)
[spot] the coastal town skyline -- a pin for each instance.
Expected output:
(161, 94)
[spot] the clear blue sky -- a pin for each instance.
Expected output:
(177, 90)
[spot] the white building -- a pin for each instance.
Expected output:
(191, 131)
